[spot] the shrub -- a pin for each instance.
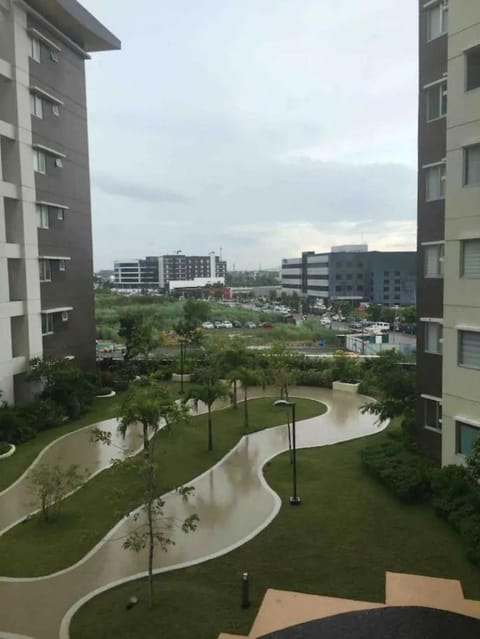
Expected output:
(451, 490)
(14, 428)
(402, 472)
(120, 384)
(42, 414)
(322, 378)
(4, 448)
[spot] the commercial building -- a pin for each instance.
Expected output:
(448, 289)
(353, 273)
(158, 272)
(46, 274)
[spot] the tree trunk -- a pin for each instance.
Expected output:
(245, 414)
(210, 440)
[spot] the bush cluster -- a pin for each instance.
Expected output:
(18, 424)
(403, 472)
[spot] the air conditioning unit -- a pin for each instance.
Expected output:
(65, 318)
(59, 163)
(53, 56)
(55, 110)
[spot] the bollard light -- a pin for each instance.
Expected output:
(245, 590)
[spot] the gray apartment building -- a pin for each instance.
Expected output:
(46, 291)
(354, 274)
(448, 282)
(157, 272)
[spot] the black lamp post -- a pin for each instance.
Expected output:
(182, 355)
(295, 498)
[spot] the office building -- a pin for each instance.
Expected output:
(448, 283)
(352, 273)
(46, 274)
(158, 272)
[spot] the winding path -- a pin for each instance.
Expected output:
(232, 499)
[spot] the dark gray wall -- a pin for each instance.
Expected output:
(431, 222)
(70, 186)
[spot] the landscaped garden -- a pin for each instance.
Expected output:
(348, 531)
(35, 548)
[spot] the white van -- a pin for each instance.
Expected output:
(382, 327)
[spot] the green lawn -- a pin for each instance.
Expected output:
(348, 531)
(35, 548)
(14, 466)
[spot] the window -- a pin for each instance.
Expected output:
(349, 276)
(386, 289)
(437, 20)
(39, 161)
(359, 276)
(45, 271)
(469, 349)
(472, 165)
(434, 260)
(37, 105)
(470, 259)
(397, 289)
(433, 338)
(47, 323)
(432, 414)
(435, 182)
(386, 273)
(35, 49)
(62, 265)
(467, 434)
(436, 101)
(43, 217)
(472, 67)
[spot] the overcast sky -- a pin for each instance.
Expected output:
(265, 127)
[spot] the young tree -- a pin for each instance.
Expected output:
(229, 360)
(248, 377)
(51, 484)
(139, 334)
(148, 404)
(208, 394)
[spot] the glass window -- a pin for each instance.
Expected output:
(39, 161)
(469, 349)
(472, 64)
(434, 260)
(436, 101)
(45, 271)
(435, 182)
(47, 323)
(472, 165)
(467, 435)
(470, 259)
(37, 105)
(432, 414)
(433, 338)
(437, 20)
(35, 49)
(43, 217)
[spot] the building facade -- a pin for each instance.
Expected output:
(448, 365)
(46, 274)
(157, 272)
(353, 274)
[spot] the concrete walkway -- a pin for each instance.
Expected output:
(232, 499)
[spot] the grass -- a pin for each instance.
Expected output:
(348, 531)
(13, 467)
(34, 548)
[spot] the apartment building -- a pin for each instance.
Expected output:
(157, 272)
(353, 273)
(46, 291)
(448, 290)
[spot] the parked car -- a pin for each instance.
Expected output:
(207, 325)
(237, 324)
(218, 324)
(356, 326)
(227, 324)
(250, 325)
(266, 325)
(325, 321)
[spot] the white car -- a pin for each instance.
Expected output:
(325, 321)
(227, 324)
(207, 325)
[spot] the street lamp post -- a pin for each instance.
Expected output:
(295, 498)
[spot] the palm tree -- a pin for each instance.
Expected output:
(208, 394)
(248, 377)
